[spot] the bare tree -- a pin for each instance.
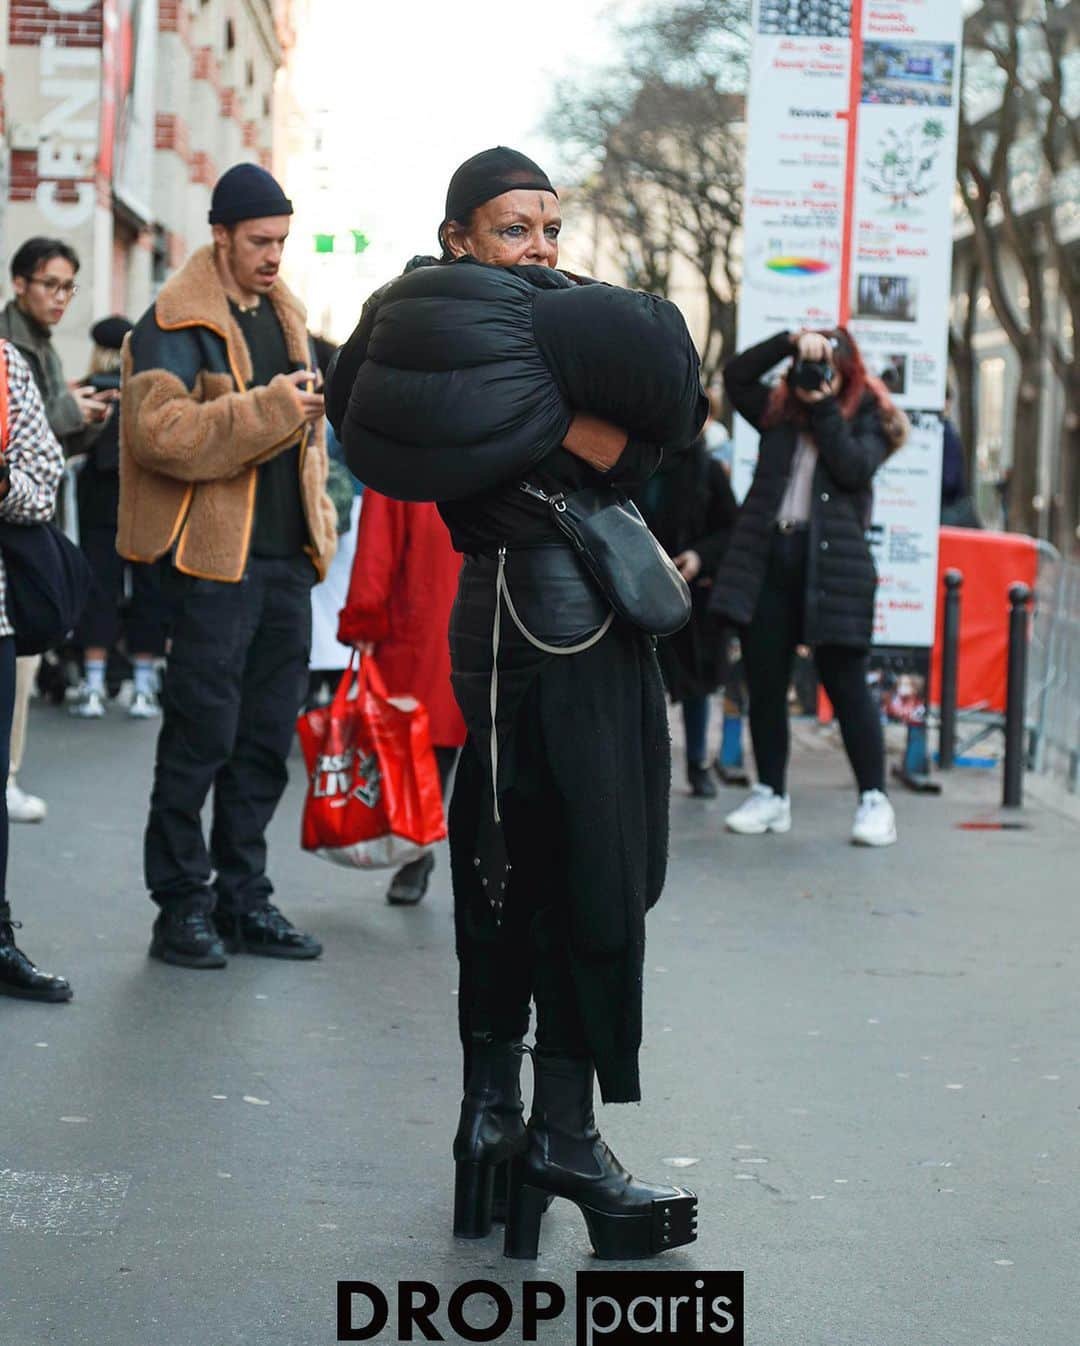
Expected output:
(962, 359)
(1012, 161)
(658, 145)
(1060, 140)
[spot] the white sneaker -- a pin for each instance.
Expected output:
(24, 808)
(764, 811)
(144, 706)
(875, 821)
(89, 706)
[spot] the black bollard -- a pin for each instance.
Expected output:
(950, 663)
(1016, 696)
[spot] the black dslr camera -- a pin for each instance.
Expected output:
(812, 376)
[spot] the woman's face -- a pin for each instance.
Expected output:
(519, 228)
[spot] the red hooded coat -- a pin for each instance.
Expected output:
(404, 580)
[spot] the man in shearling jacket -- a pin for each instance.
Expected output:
(223, 471)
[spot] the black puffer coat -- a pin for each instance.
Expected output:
(461, 376)
(840, 576)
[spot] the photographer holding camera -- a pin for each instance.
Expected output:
(799, 569)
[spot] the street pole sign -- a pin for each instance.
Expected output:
(851, 156)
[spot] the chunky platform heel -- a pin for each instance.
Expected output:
(491, 1129)
(474, 1187)
(565, 1156)
(525, 1207)
(670, 1223)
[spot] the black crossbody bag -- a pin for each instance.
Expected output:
(632, 570)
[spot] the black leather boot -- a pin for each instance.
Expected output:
(266, 932)
(567, 1157)
(491, 1130)
(18, 975)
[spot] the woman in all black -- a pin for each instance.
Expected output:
(799, 570)
(690, 507)
(458, 385)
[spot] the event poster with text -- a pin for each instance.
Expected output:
(850, 168)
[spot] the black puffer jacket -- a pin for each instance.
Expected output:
(462, 377)
(841, 578)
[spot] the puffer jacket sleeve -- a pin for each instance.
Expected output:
(637, 463)
(625, 356)
(851, 451)
(346, 363)
(174, 431)
(744, 372)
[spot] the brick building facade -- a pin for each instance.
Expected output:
(118, 116)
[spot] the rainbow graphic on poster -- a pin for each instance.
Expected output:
(798, 266)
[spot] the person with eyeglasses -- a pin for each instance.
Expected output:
(43, 272)
(43, 275)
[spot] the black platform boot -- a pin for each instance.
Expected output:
(18, 975)
(490, 1132)
(566, 1157)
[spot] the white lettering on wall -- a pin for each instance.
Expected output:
(68, 136)
(71, 6)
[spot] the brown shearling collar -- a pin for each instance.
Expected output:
(195, 297)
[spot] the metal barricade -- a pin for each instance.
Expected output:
(1054, 685)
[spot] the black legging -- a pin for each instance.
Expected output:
(768, 646)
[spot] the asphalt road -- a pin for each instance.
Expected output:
(866, 1064)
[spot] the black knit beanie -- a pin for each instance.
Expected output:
(247, 192)
(487, 175)
(109, 333)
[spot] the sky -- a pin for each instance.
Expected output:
(402, 91)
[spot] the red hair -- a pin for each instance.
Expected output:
(848, 361)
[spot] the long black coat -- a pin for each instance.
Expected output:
(690, 506)
(840, 574)
(459, 380)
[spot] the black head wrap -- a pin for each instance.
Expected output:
(487, 175)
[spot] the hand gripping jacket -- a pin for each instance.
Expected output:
(462, 376)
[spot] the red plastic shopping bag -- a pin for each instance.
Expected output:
(374, 799)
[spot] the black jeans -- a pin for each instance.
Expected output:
(768, 646)
(145, 620)
(7, 707)
(233, 686)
